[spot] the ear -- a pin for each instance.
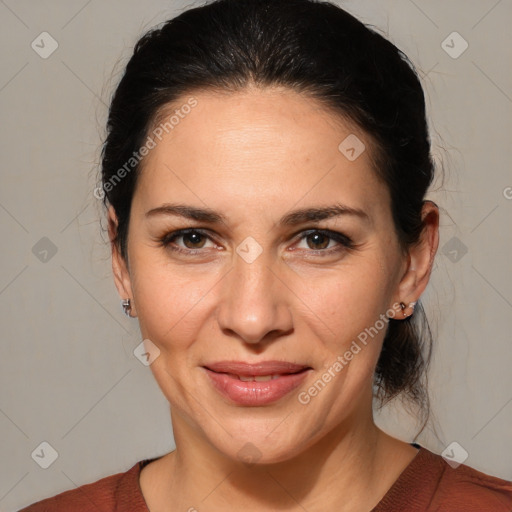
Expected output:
(420, 260)
(120, 267)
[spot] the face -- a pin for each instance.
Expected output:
(289, 256)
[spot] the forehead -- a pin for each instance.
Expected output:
(256, 144)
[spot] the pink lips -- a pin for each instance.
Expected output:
(255, 384)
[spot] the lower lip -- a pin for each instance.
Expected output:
(255, 393)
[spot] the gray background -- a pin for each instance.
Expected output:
(68, 373)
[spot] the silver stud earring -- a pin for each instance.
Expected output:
(127, 307)
(411, 305)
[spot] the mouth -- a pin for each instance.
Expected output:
(255, 378)
(255, 384)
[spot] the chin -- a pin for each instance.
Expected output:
(258, 447)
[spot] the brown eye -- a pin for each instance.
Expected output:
(184, 240)
(324, 241)
(317, 241)
(194, 240)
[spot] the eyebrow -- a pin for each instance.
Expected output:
(316, 214)
(291, 219)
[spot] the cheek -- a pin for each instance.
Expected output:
(171, 301)
(173, 305)
(345, 313)
(350, 299)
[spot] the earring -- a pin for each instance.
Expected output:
(127, 307)
(411, 305)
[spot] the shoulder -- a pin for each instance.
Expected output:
(429, 483)
(465, 488)
(117, 492)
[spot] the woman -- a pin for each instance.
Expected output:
(265, 175)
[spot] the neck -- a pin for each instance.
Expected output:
(349, 469)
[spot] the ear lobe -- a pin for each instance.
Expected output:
(421, 256)
(119, 266)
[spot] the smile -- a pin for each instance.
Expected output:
(255, 385)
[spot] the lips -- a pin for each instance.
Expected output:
(255, 384)
(244, 369)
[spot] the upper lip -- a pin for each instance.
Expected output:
(261, 368)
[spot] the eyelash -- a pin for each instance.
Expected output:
(344, 241)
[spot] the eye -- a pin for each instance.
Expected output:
(321, 240)
(191, 240)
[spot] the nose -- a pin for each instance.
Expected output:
(253, 302)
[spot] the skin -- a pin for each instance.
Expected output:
(255, 156)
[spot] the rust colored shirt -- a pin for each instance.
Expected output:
(428, 483)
